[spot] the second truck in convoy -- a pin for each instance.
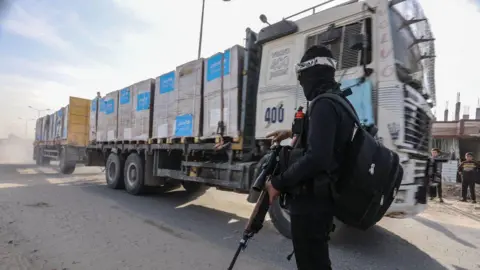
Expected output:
(171, 130)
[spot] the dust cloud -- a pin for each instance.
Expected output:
(15, 150)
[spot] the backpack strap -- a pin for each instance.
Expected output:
(338, 100)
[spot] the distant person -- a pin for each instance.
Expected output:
(437, 174)
(468, 169)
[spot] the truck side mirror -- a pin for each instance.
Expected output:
(355, 42)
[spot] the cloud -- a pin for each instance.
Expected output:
(120, 42)
(456, 53)
(34, 27)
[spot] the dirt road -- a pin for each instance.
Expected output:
(49, 221)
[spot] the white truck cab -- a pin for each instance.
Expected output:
(397, 96)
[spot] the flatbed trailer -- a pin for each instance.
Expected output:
(63, 136)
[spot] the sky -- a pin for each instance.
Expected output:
(53, 49)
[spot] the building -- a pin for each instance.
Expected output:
(457, 137)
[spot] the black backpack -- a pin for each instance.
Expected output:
(370, 175)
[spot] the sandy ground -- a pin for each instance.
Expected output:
(49, 221)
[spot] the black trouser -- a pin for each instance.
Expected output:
(310, 236)
(468, 183)
(439, 189)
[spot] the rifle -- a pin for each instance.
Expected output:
(255, 223)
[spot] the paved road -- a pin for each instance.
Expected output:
(49, 221)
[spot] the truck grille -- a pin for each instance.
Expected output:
(417, 127)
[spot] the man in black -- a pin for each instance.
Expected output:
(468, 170)
(437, 175)
(326, 137)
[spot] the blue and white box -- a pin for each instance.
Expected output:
(164, 105)
(125, 107)
(92, 131)
(141, 110)
(188, 117)
(66, 110)
(107, 129)
(232, 88)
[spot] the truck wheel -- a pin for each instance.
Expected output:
(66, 167)
(281, 221)
(41, 159)
(114, 171)
(193, 187)
(280, 218)
(37, 156)
(134, 174)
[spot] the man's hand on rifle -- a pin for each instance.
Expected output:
(280, 135)
(272, 192)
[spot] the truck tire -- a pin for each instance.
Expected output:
(281, 221)
(37, 156)
(66, 167)
(41, 160)
(134, 175)
(281, 217)
(114, 171)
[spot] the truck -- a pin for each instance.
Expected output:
(205, 123)
(63, 136)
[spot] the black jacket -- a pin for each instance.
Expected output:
(328, 134)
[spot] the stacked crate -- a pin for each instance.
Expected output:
(57, 127)
(38, 129)
(189, 82)
(107, 129)
(125, 114)
(45, 128)
(141, 113)
(65, 122)
(164, 106)
(51, 127)
(232, 88)
(92, 131)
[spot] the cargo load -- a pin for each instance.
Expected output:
(38, 129)
(66, 110)
(64, 135)
(188, 117)
(107, 129)
(232, 86)
(141, 112)
(45, 127)
(58, 131)
(93, 116)
(125, 108)
(164, 106)
(51, 127)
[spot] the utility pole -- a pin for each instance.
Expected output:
(26, 124)
(39, 111)
(201, 29)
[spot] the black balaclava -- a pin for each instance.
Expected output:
(318, 78)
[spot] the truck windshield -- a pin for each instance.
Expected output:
(407, 57)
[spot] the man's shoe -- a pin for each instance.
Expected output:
(474, 202)
(463, 200)
(441, 201)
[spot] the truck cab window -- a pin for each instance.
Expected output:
(406, 56)
(346, 57)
